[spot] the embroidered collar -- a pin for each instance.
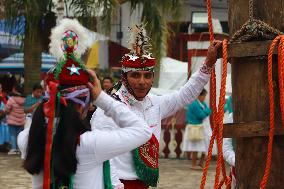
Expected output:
(127, 97)
(130, 100)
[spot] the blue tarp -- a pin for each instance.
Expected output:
(15, 63)
(19, 30)
(11, 38)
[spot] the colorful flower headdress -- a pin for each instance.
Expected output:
(69, 40)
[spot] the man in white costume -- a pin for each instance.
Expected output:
(138, 169)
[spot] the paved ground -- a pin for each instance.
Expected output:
(175, 174)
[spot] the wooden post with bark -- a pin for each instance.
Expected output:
(251, 99)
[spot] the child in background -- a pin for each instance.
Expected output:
(15, 117)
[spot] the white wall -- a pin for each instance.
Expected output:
(219, 11)
(127, 20)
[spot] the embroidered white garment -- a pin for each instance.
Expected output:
(228, 149)
(152, 109)
(98, 145)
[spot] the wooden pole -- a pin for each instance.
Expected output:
(250, 99)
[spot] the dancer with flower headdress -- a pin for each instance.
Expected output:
(139, 169)
(59, 150)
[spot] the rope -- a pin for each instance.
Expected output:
(257, 29)
(218, 130)
(213, 75)
(281, 76)
(221, 105)
(279, 39)
(251, 13)
(217, 115)
(219, 119)
(254, 29)
(210, 24)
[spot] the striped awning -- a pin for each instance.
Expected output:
(15, 63)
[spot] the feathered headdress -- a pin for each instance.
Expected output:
(69, 40)
(139, 58)
(69, 33)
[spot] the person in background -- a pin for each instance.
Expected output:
(196, 113)
(107, 83)
(107, 86)
(4, 130)
(33, 100)
(228, 108)
(15, 117)
(3, 95)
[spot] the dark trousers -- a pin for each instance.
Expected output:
(133, 184)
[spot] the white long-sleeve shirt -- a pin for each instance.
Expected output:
(228, 150)
(152, 109)
(98, 145)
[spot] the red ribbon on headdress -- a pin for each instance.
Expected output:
(49, 110)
